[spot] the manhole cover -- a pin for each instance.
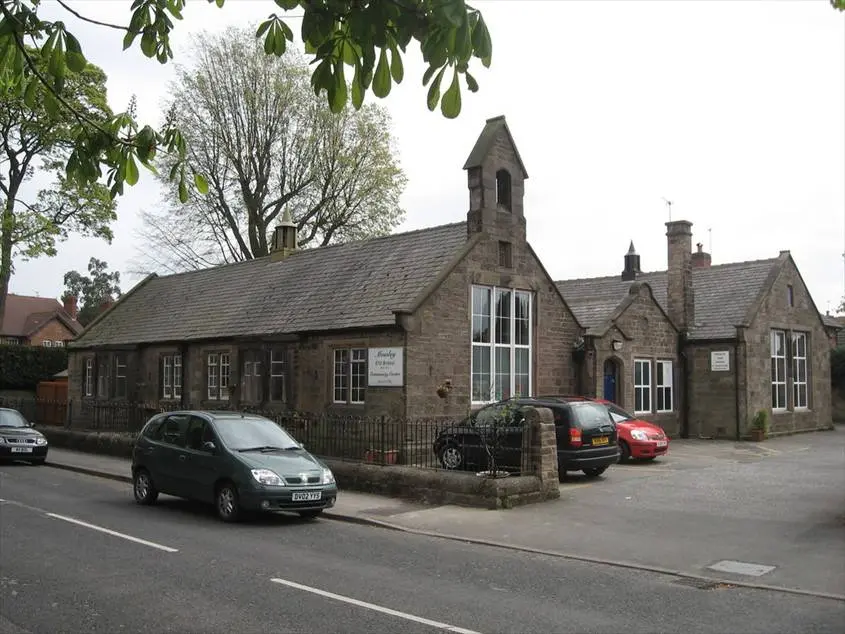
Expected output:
(741, 568)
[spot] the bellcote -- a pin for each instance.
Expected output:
(496, 180)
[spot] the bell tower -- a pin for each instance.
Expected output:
(496, 179)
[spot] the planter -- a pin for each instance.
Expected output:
(758, 435)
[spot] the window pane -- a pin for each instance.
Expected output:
(359, 375)
(341, 379)
(503, 317)
(503, 373)
(522, 308)
(521, 375)
(480, 373)
(481, 315)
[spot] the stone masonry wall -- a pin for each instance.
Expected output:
(776, 313)
(713, 394)
(653, 337)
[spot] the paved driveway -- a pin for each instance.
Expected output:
(779, 505)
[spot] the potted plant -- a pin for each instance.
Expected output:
(759, 425)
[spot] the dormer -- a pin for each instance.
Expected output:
(496, 180)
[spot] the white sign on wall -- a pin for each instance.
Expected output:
(385, 368)
(720, 361)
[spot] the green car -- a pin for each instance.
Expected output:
(239, 462)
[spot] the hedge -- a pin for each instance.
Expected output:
(837, 368)
(23, 367)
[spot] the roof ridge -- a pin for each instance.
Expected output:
(315, 249)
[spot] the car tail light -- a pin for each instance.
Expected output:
(575, 437)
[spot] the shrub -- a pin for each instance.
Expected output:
(23, 367)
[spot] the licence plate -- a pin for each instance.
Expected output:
(662, 443)
(21, 449)
(600, 440)
(307, 496)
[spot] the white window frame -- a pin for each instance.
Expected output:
(799, 369)
(510, 347)
(219, 373)
(177, 376)
(278, 363)
(349, 376)
(58, 344)
(89, 376)
(778, 378)
(665, 389)
(120, 373)
(644, 387)
(167, 377)
(47, 343)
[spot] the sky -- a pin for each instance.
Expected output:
(733, 111)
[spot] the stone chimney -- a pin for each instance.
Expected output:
(71, 305)
(700, 259)
(496, 180)
(632, 265)
(284, 238)
(680, 298)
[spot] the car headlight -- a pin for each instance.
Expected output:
(638, 434)
(267, 477)
(41, 441)
(328, 476)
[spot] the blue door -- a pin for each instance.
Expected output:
(610, 381)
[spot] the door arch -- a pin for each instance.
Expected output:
(612, 382)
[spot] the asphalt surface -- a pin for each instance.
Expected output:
(195, 574)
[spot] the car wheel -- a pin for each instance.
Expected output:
(227, 502)
(142, 487)
(451, 457)
(594, 473)
(624, 451)
(311, 513)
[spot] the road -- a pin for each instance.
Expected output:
(175, 568)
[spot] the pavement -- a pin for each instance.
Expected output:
(764, 515)
(78, 555)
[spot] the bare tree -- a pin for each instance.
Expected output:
(266, 143)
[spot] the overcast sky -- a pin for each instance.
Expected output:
(734, 111)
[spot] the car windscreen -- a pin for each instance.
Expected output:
(11, 418)
(590, 415)
(246, 433)
(619, 415)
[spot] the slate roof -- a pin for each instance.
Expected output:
(23, 315)
(353, 285)
(723, 295)
(833, 322)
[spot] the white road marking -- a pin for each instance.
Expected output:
(372, 606)
(108, 531)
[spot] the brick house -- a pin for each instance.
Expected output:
(38, 321)
(748, 337)
(424, 323)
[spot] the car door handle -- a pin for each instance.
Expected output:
(182, 457)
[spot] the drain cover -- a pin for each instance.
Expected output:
(741, 568)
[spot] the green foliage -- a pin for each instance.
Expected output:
(36, 136)
(23, 367)
(93, 289)
(837, 368)
(364, 37)
(760, 420)
(838, 4)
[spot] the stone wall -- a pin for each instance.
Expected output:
(713, 393)
(775, 312)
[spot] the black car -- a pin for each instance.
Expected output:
(18, 440)
(585, 431)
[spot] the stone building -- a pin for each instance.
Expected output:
(700, 348)
(423, 323)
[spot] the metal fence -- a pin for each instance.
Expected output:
(428, 443)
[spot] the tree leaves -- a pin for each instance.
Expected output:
(366, 39)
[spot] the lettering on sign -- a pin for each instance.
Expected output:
(385, 368)
(720, 361)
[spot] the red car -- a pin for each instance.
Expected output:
(637, 438)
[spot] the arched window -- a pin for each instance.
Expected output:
(503, 189)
